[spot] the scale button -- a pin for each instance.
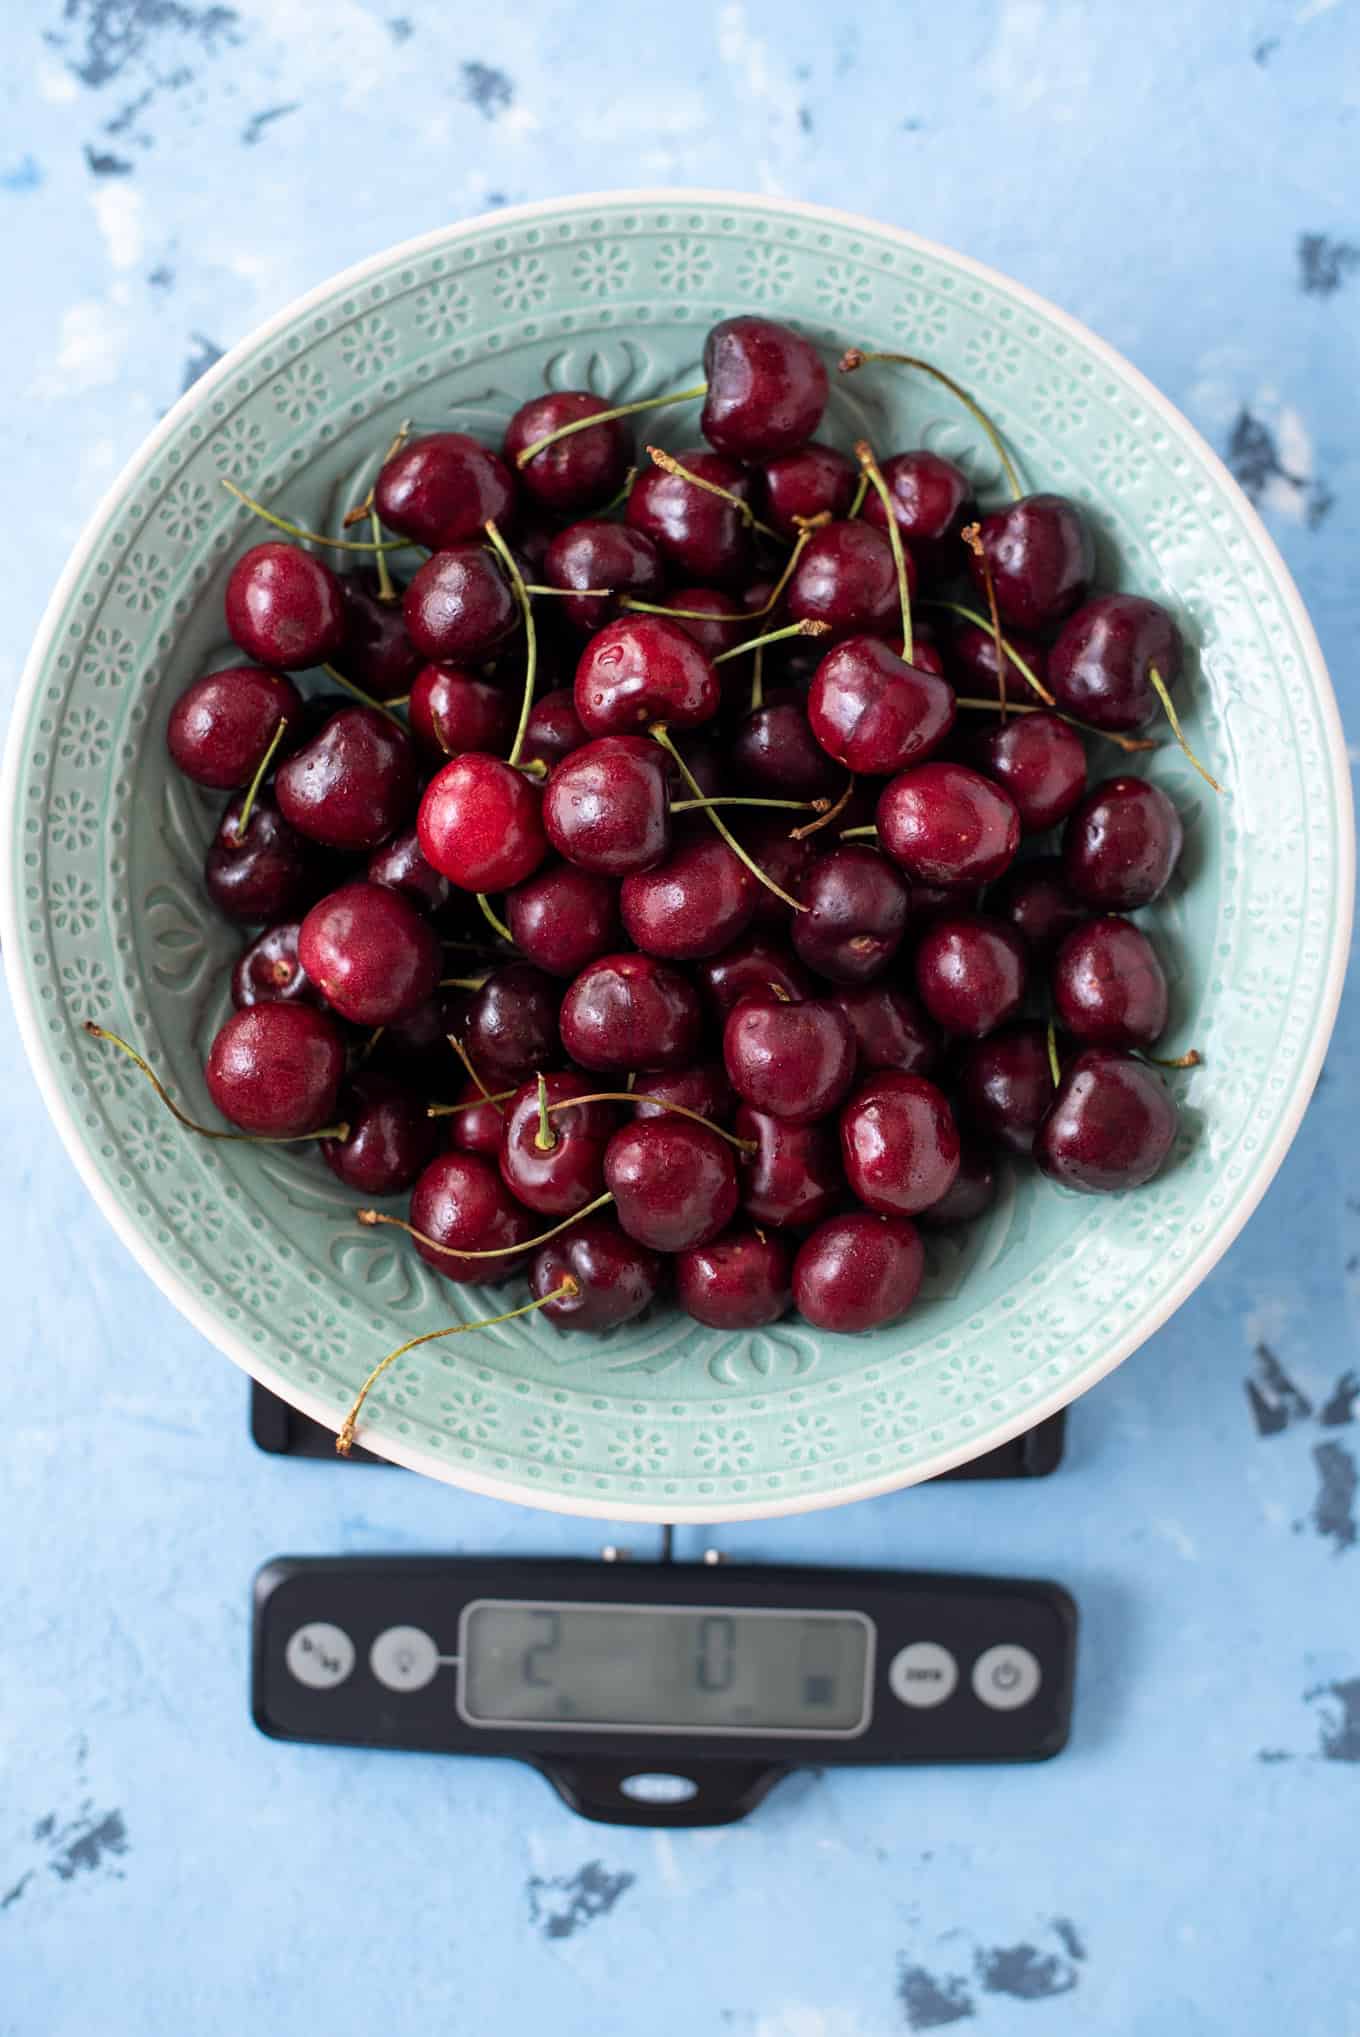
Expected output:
(404, 1658)
(1006, 1677)
(659, 1789)
(319, 1655)
(922, 1675)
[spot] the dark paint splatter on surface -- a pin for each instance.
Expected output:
(1339, 1407)
(104, 163)
(258, 122)
(932, 2001)
(805, 119)
(1325, 264)
(1265, 50)
(1274, 1399)
(488, 89)
(1334, 1508)
(25, 176)
(106, 37)
(913, 126)
(1254, 460)
(399, 28)
(162, 278)
(12, 1895)
(1069, 1937)
(1024, 1972)
(1271, 1755)
(1339, 1731)
(206, 353)
(1321, 503)
(562, 1904)
(88, 1845)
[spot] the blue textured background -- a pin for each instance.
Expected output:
(170, 173)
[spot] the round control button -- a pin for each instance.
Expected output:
(404, 1658)
(652, 1788)
(319, 1655)
(1006, 1677)
(922, 1675)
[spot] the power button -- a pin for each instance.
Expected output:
(1006, 1677)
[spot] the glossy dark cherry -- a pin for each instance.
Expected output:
(717, 621)
(606, 806)
(755, 966)
(696, 902)
(1098, 668)
(275, 1069)
(604, 555)
(789, 1061)
(222, 725)
(767, 839)
(948, 825)
(857, 910)
(970, 974)
(629, 1012)
(268, 873)
(973, 1192)
(858, 1271)
(580, 472)
(476, 1127)
(460, 607)
(284, 608)
(370, 953)
(740, 1281)
(932, 501)
(1109, 988)
(511, 1028)
(269, 972)
(1111, 1124)
(569, 1172)
(974, 668)
(481, 824)
(554, 728)
(1042, 559)
(793, 1178)
(674, 1182)
(642, 669)
(616, 1277)
(441, 489)
(460, 1201)
(899, 1143)
(377, 654)
(391, 1139)
(1121, 844)
(1005, 1085)
(810, 481)
(873, 713)
(353, 784)
(563, 917)
(1035, 899)
(453, 711)
(701, 537)
(767, 388)
(845, 577)
(775, 755)
(890, 1028)
(400, 865)
(1040, 760)
(702, 1087)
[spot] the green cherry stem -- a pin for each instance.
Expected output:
(191, 1124)
(670, 465)
(859, 357)
(1159, 688)
(972, 537)
(545, 1138)
(1129, 743)
(857, 500)
(365, 508)
(807, 628)
(662, 1103)
(344, 1442)
(511, 565)
(365, 698)
(981, 622)
(312, 537)
(661, 734)
(825, 819)
(565, 431)
(451, 1110)
(758, 679)
(574, 593)
(252, 790)
(864, 453)
(461, 982)
(497, 925)
(852, 834)
(376, 1216)
(1054, 1065)
(463, 1055)
(740, 799)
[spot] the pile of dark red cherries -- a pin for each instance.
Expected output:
(728, 967)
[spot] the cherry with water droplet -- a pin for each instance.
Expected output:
(789, 1061)
(274, 1070)
(443, 488)
(970, 974)
(353, 784)
(221, 726)
(481, 824)
(674, 1182)
(1110, 1126)
(1121, 845)
(858, 1271)
(741, 1281)
(616, 1278)
(1109, 987)
(370, 953)
(767, 388)
(899, 1143)
(284, 607)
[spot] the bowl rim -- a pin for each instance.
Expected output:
(394, 1448)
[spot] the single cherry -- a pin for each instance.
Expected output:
(377, 654)
(674, 1182)
(221, 726)
(1041, 761)
(628, 1012)
(857, 909)
(1005, 1085)
(890, 1028)
(453, 711)
(875, 714)
(946, 824)
(812, 480)
(400, 865)
(899, 1143)
(1099, 667)
(1121, 844)
(716, 621)
(284, 607)
(605, 807)
(972, 1194)
(858, 1271)
(642, 669)
(391, 1138)
(1111, 1124)
(703, 1087)
(702, 536)
(511, 1027)
(353, 784)
(932, 501)
(441, 489)
(562, 1169)
(790, 1061)
(755, 966)
(275, 1070)
(563, 917)
(370, 953)
(975, 669)
(476, 1126)
(1109, 988)
(793, 1178)
(767, 388)
(970, 974)
(775, 754)
(269, 972)
(740, 1281)
(846, 578)
(481, 824)
(597, 554)
(616, 1278)
(460, 606)
(267, 872)
(767, 839)
(554, 728)
(1042, 559)
(461, 1201)
(1035, 899)
(583, 470)
(696, 902)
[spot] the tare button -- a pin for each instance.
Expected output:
(922, 1675)
(1006, 1677)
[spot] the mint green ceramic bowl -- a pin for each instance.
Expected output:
(104, 916)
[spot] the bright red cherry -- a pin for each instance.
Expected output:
(481, 824)
(461, 1203)
(275, 1070)
(284, 607)
(970, 974)
(946, 824)
(1109, 988)
(370, 953)
(1111, 1124)
(453, 711)
(674, 1182)
(790, 1061)
(767, 388)
(566, 1171)
(642, 669)
(1042, 559)
(1121, 845)
(695, 902)
(616, 1278)
(631, 1012)
(899, 1143)
(606, 806)
(1099, 667)
(858, 1271)
(581, 471)
(460, 607)
(441, 489)
(563, 917)
(222, 725)
(353, 784)
(873, 713)
(740, 1281)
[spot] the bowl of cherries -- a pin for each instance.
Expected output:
(676, 858)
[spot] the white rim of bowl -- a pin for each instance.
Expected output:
(393, 1448)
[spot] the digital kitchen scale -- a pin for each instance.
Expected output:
(661, 1693)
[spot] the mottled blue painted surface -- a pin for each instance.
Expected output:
(1186, 181)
